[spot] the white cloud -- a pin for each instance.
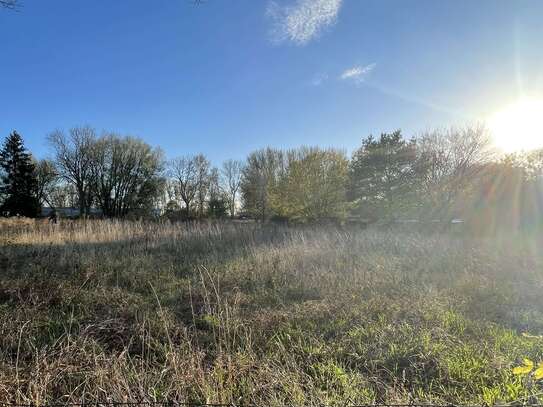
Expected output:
(302, 21)
(357, 74)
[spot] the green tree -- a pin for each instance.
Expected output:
(382, 176)
(314, 186)
(18, 182)
(264, 168)
(216, 207)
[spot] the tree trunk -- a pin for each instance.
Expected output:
(82, 201)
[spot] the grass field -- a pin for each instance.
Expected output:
(269, 315)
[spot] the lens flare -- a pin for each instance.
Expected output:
(519, 126)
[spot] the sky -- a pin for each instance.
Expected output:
(225, 77)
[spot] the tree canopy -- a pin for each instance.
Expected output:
(436, 176)
(18, 181)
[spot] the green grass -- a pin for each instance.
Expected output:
(268, 315)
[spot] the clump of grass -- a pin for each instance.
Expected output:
(264, 314)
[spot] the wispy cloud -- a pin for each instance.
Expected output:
(304, 20)
(319, 79)
(357, 74)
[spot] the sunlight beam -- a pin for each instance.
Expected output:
(519, 126)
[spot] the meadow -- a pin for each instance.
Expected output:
(265, 314)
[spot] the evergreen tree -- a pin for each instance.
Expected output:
(18, 182)
(216, 208)
(382, 176)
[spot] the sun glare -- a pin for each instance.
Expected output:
(518, 126)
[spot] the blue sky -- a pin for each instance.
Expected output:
(228, 76)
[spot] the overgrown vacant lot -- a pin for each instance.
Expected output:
(264, 314)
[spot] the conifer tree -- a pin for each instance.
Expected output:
(18, 182)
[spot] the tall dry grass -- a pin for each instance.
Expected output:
(263, 314)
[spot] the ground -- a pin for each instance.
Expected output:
(269, 315)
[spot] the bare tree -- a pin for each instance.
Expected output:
(125, 173)
(214, 187)
(449, 161)
(231, 179)
(46, 178)
(63, 195)
(201, 164)
(183, 171)
(74, 158)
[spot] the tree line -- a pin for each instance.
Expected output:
(436, 176)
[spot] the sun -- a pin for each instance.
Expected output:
(519, 126)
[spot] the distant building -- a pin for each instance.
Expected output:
(67, 212)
